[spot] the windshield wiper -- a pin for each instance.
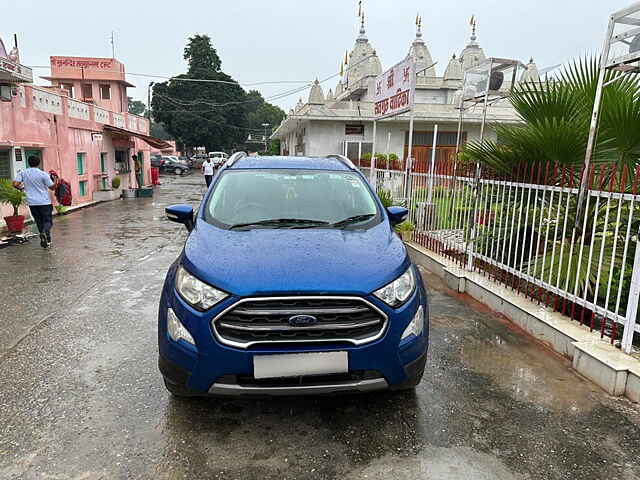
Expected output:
(354, 219)
(281, 222)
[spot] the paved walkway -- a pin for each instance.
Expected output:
(81, 397)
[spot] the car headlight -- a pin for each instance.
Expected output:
(397, 292)
(416, 326)
(176, 329)
(196, 293)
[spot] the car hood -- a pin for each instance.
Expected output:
(277, 261)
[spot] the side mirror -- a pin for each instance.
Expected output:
(181, 214)
(397, 214)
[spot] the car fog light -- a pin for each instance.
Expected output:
(176, 329)
(416, 326)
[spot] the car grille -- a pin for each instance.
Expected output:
(266, 320)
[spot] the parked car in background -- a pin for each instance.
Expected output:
(157, 161)
(315, 292)
(218, 158)
(186, 160)
(173, 165)
(197, 159)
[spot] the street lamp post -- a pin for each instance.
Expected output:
(265, 125)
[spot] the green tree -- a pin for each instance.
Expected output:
(158, 130)
(136, 106)
(260, 112)
(210, 114)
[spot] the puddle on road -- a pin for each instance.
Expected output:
(529, 374)
(513, 361)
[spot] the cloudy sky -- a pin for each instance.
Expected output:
(297, 40)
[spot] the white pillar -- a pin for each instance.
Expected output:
(372, 173)
(433, 163)
(632, 302)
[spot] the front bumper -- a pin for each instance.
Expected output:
(205, 370)
(322, 389)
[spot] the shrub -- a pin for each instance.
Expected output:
(405, 226)
(115, 183)
(386, 198)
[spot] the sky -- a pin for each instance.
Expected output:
(297, 40)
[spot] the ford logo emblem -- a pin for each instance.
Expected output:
(302, 320)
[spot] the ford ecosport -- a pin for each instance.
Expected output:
(291, 281)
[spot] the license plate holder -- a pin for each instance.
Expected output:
(299, 364)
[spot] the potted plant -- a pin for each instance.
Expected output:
(16, 198)
(394, 163)
(365, 160)
(405, 229)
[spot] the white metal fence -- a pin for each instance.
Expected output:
(518, 229)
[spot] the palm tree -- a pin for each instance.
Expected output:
(556, 114)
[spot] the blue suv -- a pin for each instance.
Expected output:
(292, 281)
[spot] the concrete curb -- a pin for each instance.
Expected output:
(617, 373)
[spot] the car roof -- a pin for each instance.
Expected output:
(298, 163)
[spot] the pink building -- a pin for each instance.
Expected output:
(79, 126)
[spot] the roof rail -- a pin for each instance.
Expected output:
(344, 160)
(235, 157)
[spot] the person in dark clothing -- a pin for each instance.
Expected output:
(36, 185)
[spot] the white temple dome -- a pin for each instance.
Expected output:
(316, 95)
(420, 52)
(454, 69)
(472, 55)
(359, 65)
(330, 97)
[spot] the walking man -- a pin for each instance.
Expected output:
(207, 169)
(36, 185)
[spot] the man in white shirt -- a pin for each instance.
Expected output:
(207, 169)
(36, 185)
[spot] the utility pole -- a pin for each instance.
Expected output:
(265, 125)
(149, 102)
(113, 46)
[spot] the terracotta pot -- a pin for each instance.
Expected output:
(15, 223)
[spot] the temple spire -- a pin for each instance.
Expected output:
(474, 25)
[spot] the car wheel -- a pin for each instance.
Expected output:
(178, 171)
(178, 391)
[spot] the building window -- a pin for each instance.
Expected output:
(83, 188)
(103, 162)
(354, 151)
(5, 163)
(80, 163)
(354, 129)
(105, 92)
(68, 87)
(445, 139)
(87, 91)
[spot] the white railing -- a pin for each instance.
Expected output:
(518, 229)
(50, 102)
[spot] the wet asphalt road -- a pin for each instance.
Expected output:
(81, 397)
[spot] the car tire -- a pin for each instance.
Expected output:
(178, 171)
(178, 391)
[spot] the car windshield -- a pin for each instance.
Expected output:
(291, 199)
